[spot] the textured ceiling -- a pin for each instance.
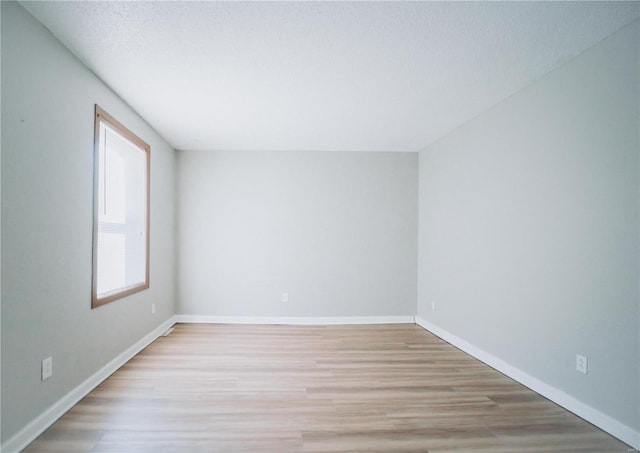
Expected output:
(362, 76)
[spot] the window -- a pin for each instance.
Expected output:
(121, 211)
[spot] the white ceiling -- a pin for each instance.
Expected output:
(361, 76)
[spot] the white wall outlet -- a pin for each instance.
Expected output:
(153, 309)
(433, 305)
(47, 368)
(285, 297)
(581, 364)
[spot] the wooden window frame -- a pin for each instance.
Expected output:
(102, 116)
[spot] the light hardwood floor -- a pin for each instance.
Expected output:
(386, 388)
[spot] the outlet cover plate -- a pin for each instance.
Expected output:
(47, 368)
(581, 364)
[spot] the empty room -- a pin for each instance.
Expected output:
(320, 226)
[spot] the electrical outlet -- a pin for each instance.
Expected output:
(285, 297)
(433, 305)
(47, 368)
(153, 309)
(581, 364)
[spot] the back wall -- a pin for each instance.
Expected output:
(337, 232)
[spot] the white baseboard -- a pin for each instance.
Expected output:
(594, 416)
(37, 426)
(299, 321)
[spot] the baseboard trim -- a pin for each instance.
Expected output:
(296, 321)
(594, 416)
(37, 426)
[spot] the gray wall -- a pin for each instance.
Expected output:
(47, 144)
(528, 229)
(337, 231)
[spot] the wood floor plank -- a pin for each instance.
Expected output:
(241, 388)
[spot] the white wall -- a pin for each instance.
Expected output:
(47, 178)
(337, 231)
(528, 229)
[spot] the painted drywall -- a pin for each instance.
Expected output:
(337, 232)
(0, 232)
(48, 102)
(528, 229)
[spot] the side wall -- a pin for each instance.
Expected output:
(336, 231)
(528, 229)
(48, 100)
